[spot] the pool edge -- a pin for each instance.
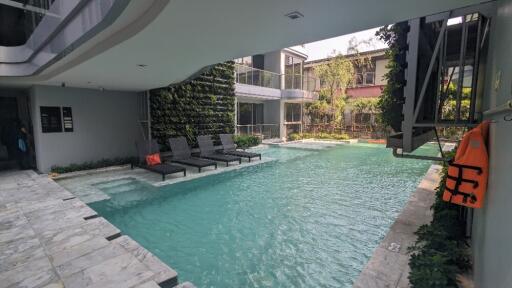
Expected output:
(389, 264)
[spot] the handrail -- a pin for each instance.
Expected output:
(251, 69)
(270, 79)
(252, 125)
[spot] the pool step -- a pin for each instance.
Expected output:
(120, 186)
(115, 183)
(185, 285)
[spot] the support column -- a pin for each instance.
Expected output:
(282, 115)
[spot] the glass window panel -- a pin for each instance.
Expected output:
(244, 113)
(369, 78)
(359, 79)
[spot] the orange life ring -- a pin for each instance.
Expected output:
(466, 182)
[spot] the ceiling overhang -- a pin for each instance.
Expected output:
(175, 39)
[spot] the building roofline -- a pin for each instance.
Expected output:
(295, 52)
(378, 53)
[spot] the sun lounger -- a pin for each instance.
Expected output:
(181, 154)
(208, 151)
(163, 169)
(229, 147)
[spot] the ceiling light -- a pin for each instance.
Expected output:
(294, 15)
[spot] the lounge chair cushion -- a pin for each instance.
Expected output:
(153, 159)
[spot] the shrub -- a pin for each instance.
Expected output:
(294, 136)
(246, 141)
(441, 251)
(92, 165)
(326, 136)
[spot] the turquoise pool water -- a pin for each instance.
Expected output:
(309, 219)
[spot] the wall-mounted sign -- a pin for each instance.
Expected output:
(67, 118)
(50, 119)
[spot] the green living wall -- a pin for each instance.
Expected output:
(204, 105)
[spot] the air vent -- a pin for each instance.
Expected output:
(294, 15)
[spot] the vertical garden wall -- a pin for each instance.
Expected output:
(204, 105)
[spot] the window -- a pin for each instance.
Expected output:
(250, 113)
(365, 74)
(293, 112)
(359, 80)
(369, 78)
(362, 118)
(293, 72)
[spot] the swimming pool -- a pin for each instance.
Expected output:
(309, 219)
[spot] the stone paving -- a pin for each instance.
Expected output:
(50, 238)
(389, 265)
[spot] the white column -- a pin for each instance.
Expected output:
(282, 115)
(236, 115)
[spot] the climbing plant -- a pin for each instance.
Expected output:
(392, 99)
(204, 105)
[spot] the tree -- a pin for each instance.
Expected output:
(336, 75)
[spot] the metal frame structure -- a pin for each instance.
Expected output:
(421, 109)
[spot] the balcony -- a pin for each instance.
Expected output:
(42, 31)
(259, 83)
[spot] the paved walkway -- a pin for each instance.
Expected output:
(389, 265)
(49, 238)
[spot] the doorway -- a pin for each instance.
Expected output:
(15, 124)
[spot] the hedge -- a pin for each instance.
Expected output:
(246, 141)
(92, 165)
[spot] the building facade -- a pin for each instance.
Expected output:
(271, 90)
(368, 84)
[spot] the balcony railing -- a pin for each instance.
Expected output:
(265, 131)
(252, 76)
(257, 77)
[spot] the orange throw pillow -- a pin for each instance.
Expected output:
(153, 159)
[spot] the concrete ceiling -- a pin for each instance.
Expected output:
(177, 38)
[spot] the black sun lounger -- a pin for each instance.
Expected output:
(208, 151)
(229, 147)
(181, 154)
(163, 169)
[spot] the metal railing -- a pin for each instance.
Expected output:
(257, 77)
(265, 131)
(353, 131)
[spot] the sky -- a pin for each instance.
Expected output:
(321, 49)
